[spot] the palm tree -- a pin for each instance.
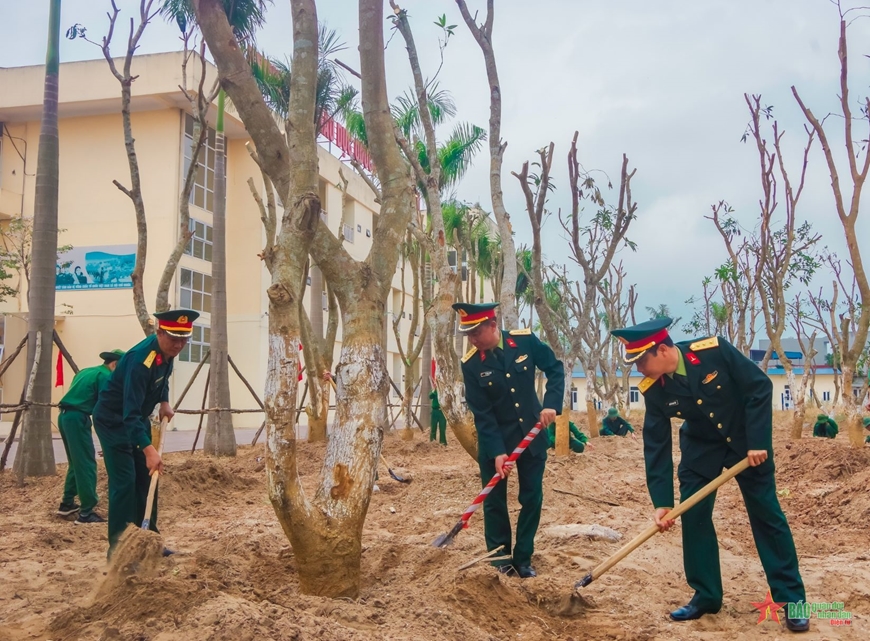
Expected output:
(245, 17)
(662, 311)
(333, 95)
(35, 454)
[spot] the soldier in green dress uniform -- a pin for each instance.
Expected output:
(121, 418)
(438, 420)
(614, 425)
(825, 427)
(499, 373)
(74, 425)
(726, 403)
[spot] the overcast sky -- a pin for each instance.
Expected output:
(662, 82)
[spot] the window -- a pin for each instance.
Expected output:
(634, 395)
(826, 396)
(197, 346)
(348, 233)
(202, 194)
(200, 244)
(195, 291)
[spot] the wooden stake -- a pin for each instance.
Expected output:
(201, 416)
(587, 498)
(193, 378)
(245, 381)
(63, 350)
(28, 394)
(489, 554)
(6, 363)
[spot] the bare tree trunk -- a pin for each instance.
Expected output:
(35, 454)
(220, 439)
(591, 412)
(441, 321)
(507, 293)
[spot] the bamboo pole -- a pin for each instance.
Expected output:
(8, 361)
(28, 395)
(193, 378)
(201, 416)
(245, 381)
(64, 351)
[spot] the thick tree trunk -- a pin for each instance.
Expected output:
(35, 455)
(854, 428)
(426, 366)
(318, 406)
(563, 432)
(220, 439)
(800, 404)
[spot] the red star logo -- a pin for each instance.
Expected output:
(768, 609)
(511, 342)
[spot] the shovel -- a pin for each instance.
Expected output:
(393, 475)
(446, 539)
(152, 489)
(681, 509)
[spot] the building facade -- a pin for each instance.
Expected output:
(94, 298)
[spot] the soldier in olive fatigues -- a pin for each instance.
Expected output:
(576, 439)
(825, 427)
(726, 403)
(866, 422)
(614, 425)
(121, 418)
(438, 420)
(74, 425)
(499, 373)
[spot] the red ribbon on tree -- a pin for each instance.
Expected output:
(59, 368)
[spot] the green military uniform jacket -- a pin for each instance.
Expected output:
(726, 403)
(617, 427)
(826, 429)
(576, 439)
(140, 381)
(85, 388)
(500, 393)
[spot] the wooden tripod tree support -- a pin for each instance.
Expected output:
(11, 438)
(201, 416)
(64, 351)
(402, 399)
(25, 397)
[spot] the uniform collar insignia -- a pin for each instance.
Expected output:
(159, 359)
(511, 343)
(709, 377)
(694, 360)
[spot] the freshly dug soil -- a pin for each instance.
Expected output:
(234, 575)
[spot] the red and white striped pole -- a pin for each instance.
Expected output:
(446, 539)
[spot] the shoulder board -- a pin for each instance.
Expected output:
(148, 361)
(645, 384)
(707, 343)
(469, 354)
(525, 331)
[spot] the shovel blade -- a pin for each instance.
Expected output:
(582, 583)
(443, 541)
(396, 477)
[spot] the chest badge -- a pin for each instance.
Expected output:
(709, 377)
(485, 374)
(522, 358)
(673, 403)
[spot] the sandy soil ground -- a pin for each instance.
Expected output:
(234, 577)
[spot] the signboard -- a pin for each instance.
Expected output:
(104, 267)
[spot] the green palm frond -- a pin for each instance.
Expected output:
(406, 111)
(245, 16)
(273, 78)
(456, 153)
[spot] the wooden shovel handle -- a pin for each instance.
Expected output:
(152, 489)
(681, 509)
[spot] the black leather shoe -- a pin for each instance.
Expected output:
(690, 612)
(168, 552)
(526, 572)
(797, 625)
(507, 568)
